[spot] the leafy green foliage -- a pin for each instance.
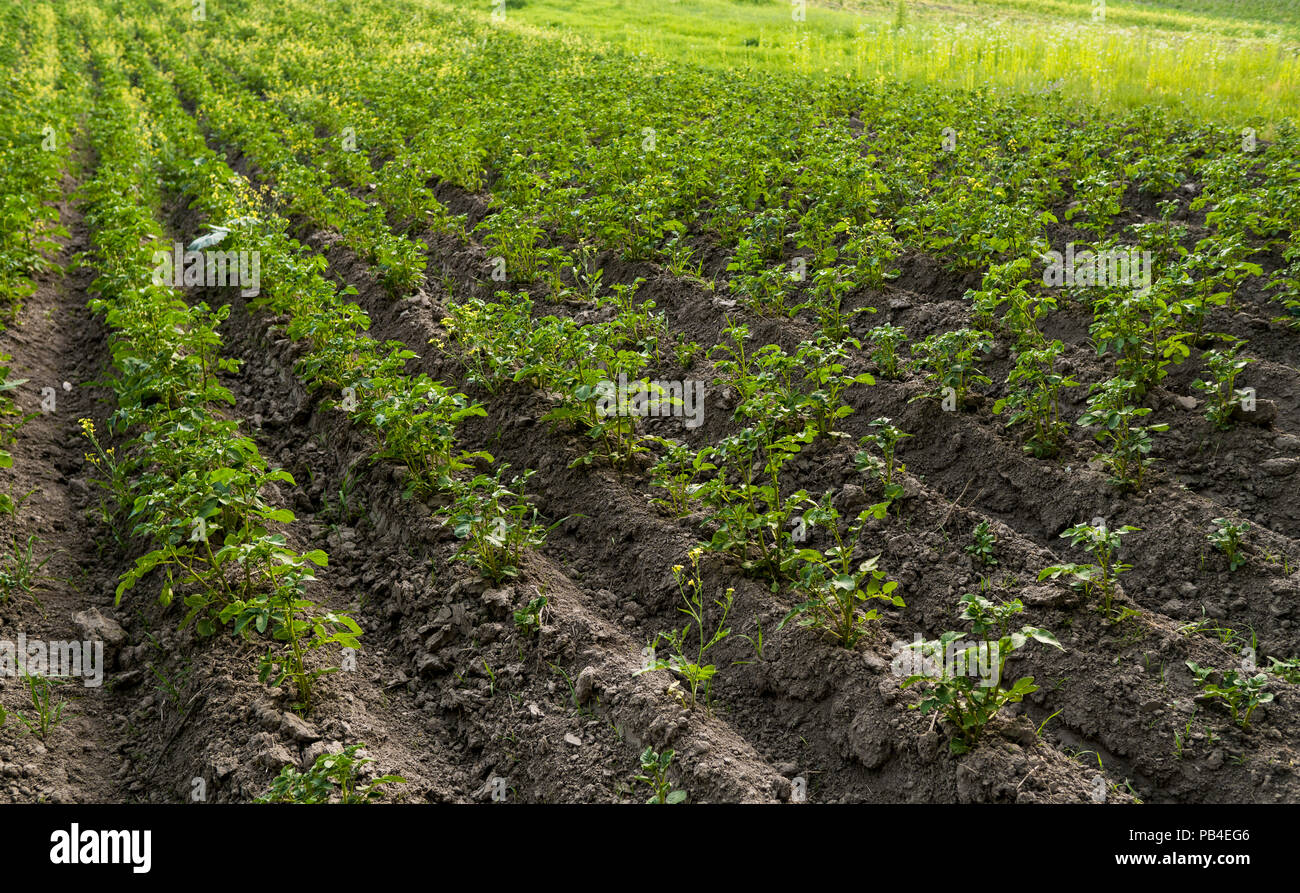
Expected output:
(333, 778)
(1116, 420)
(496, 524)
(685, 661)
(836, 589)
(1222, 396)
(1034, 393)
(950, 362)
(984, 547)
(528, 619)
(1227, 536)
(1099, 579)
(963, 678)
(654, 774)
(1240, 692)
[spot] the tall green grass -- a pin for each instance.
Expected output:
(1194, 55)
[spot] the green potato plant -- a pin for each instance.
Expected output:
(1227, 536)
(334, 777)
(1240, 692)
(1101, 578)
(654, 774)
(963, 679)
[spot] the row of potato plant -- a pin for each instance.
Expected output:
(43, 93)
(181, 477)
(963, 213)
(413, 417)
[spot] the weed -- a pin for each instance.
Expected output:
(47, 710)
(20, 572)
(692, 669)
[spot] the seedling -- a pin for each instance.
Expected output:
(1181, 738)
(746, 502)
(983, 549)
(10, 504)
(1227, 536)
(528, 620)
(886, 440)
(1288, 670)
(686, 353)
(1222, 396)
(1034, 399)
(1099, 579)
(654, 773)
(950, 363)
(836, 591)
(755, 641)
(678, 473)
(1240, 692)
(885, 341)
(1116, 422)
(963, 679)
(496, 523)
(20, 572)
(334, 777)
(297, 622)
(825, 361)
(47, 709)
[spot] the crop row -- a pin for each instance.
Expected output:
(39, 103)
(181, 477)
(42, 95)
(412, 417)
(738, 479)
(578, 150)
(1143, 332)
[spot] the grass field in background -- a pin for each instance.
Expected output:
(1219, 59)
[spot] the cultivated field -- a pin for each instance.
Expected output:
(720, 401)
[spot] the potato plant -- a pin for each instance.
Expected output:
(1101, 578)
(1116, 420)
(963, 678)
(837, 589)
(1240, 692)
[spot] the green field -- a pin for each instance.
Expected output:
(651, 402)
(1221, 58)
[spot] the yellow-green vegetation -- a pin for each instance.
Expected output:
(1218, 58)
